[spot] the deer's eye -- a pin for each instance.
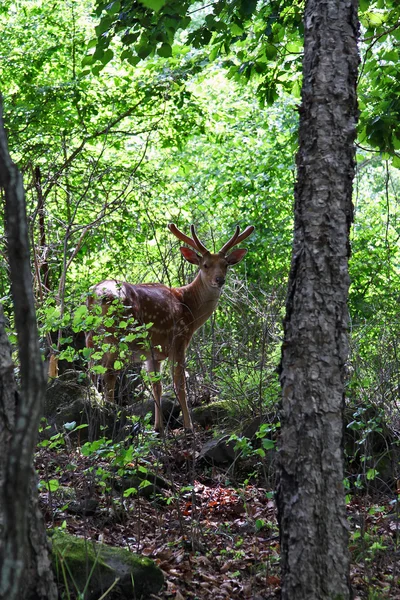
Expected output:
(205, 266)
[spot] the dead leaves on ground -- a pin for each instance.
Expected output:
(211, 539)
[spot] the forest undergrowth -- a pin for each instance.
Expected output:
(213, 531)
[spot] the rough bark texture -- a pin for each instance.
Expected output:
(310, 498)
(24, 564)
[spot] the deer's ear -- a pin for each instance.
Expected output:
(236, 256)
(190, 255)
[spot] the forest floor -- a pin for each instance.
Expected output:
(213, 532)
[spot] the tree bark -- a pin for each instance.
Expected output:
(24, 562)
(310, 494)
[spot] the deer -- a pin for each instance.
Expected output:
(171, 314)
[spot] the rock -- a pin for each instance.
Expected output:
(87, 507)
(219, 451)
(169, 406)
(96, 567)
(210, 414)
(250, 429)
(72, 399)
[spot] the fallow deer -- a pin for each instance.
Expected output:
(174, 314)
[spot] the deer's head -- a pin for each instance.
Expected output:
(213, 267)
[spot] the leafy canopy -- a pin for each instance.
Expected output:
(260, 40)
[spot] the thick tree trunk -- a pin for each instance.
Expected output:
(310, 497)
(24, 562)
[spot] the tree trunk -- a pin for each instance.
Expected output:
(310, 495)
(24, 562)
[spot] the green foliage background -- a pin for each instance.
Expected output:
(196, 124)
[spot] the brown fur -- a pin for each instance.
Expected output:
(175, 314)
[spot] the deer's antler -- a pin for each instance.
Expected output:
(236, 238)
(194, 242)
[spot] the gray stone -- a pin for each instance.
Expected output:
(219, 451)
(96, 568)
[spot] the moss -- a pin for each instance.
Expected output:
(95, 567)
(210, 414)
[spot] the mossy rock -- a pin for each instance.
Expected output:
(210, 414)
(95, 568)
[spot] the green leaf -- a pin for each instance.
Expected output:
(103, 26)
(268, 444)
(144, 483)
(296, 89)
(133, 60)
(294, 46)
(87, 60)
(374, 19)
(371, 474)
(247, 7)
(130, 492)
(165, 51)
(70, 426)
(260, 523)
(271, 51)
(52, 485)
(236, 30)
(92, 43)
(113, 8)
(396, 161)
(143, 50)
(99, 369)
(129, 39)
(155, 5)
(107, 56)
(80, 314)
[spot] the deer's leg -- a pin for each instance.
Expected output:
(153, 367)
(178, 369)
(94, 378)
(109, 379)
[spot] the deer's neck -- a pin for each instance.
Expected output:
(200, 300)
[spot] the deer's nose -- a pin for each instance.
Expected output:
(220, 281)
